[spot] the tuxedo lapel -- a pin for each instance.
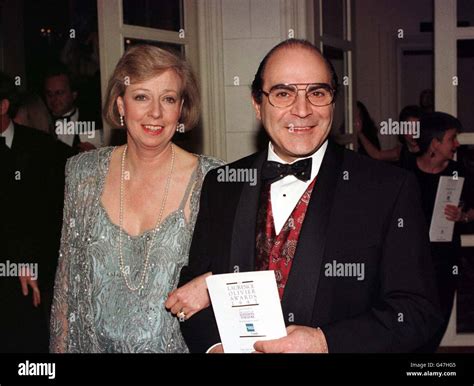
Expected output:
(18, 138)
(242, 253)
(301, 287)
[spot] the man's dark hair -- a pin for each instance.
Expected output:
(9, 91)
(413, 111)
(434, 125)
(59, 69)
(257, 83)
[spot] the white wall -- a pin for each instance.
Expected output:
(250, 29)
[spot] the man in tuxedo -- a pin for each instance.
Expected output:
(61, 97)
(343, 233)
(31, 197)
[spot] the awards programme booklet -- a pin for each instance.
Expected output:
(449, 192)
(247, 309)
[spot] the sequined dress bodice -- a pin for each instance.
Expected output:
(137, 321)
(93, 310)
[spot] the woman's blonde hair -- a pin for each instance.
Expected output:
(142, 62)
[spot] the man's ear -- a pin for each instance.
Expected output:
(435, 142)
(4, 106)
(257, 106)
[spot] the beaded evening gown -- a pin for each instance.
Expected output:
(93, 310)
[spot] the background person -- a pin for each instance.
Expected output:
(28, 182)
(365, 125)
(61, 96)
(427, 101)
(404, 153)
(32, 112)
(438, 144)
(410, 148)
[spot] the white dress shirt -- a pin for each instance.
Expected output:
(68, 139)
(8, 134)
(285, 193)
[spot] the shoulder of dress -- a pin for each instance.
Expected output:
(87, 164)
(208, 163)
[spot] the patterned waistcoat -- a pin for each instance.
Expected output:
(276, 252)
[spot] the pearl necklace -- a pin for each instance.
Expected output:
(148, 246)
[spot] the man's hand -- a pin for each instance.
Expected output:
(26, 281)
(300, 339)
(219, 349)
(192, 297)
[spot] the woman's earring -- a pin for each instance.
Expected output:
(122, 123)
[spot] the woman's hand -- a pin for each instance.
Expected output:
(453, 213)
(27, 280)
(192, 297)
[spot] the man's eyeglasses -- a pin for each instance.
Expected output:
(284, 95)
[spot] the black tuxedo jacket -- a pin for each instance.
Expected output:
(32, 196)
(31, 203)
(361, 211)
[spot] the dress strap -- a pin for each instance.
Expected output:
(191, 183)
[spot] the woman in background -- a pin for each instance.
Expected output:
(403, 153)
(366, 129)
(438, 144)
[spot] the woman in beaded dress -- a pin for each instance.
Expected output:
(129, 216)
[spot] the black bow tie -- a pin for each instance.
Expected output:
(273, 171)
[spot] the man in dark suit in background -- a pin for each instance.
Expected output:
(61, 97)
(31, 198)
(343, 233)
